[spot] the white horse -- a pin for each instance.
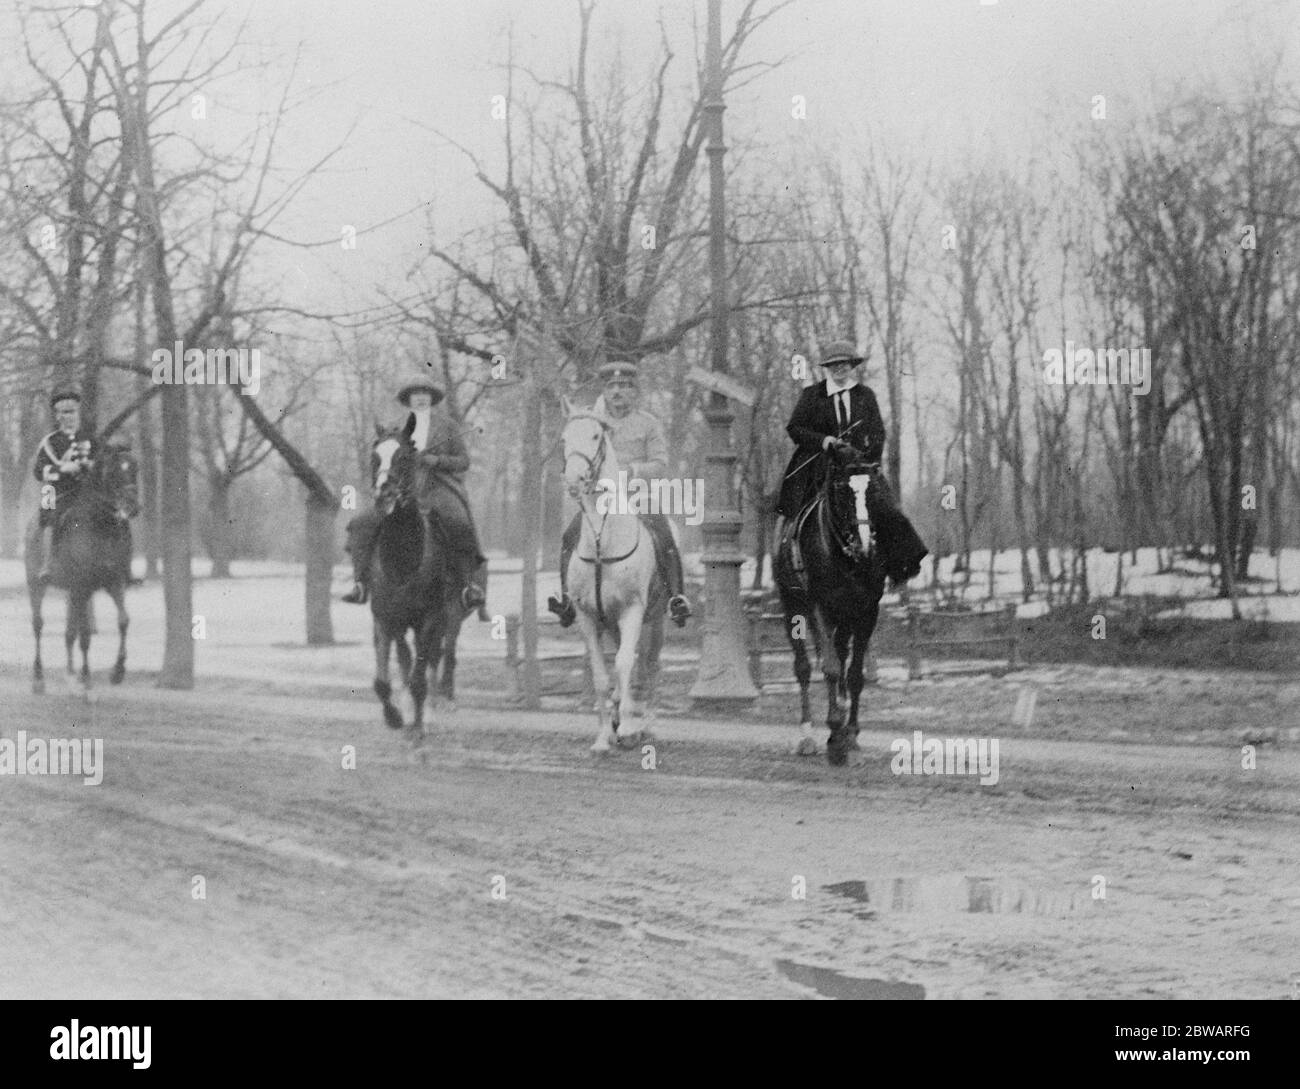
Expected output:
(612, 577)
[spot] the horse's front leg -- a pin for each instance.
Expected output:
(123, 622)
(797, 628)
(447, 681)
(599, 680)
(428, 649)
(629, 637)
(861, 638)
(648, 667)
(383, 686)
(70, 628)
(833, 663)
(38, 625)
(404, 659)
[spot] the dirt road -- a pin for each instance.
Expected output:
(504, 861)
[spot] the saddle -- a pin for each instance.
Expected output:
(793, 530)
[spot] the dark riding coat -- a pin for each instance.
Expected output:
(442, 463)
(812, 421)
(50, 452)
(440, 485)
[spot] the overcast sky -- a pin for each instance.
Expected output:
(935, 78)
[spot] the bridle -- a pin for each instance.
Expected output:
(587, 482)
(849, 544)
(394, 491)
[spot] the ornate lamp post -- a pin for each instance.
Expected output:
(724, 670)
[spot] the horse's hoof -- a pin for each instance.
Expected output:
(807, 747)
(837, 753)
(38, 688)
(393, 717)
(116, 676)
(600, 750)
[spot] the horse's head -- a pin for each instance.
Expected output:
(392, 469)
(117, 480)
(849, 479)
(586, 448)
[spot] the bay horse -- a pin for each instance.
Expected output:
(410, 584)
(613, 579)
(831, 579)
(91, 550)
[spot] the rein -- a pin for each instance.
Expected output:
(850, 547)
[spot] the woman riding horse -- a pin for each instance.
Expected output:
(440, 490)
(840, 414)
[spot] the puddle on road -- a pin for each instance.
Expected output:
(833, 984)
(953, 893)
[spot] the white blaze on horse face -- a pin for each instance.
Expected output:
(385, 451)
(582, 440)
(858, 482)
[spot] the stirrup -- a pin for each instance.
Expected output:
(680, 609)
(472, 598)
(562, 607)
(358, 594)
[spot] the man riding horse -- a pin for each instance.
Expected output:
(833, 417)
(440, 492)
(639, 439)
(63, 461)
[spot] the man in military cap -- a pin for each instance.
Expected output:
(439, 489)
(834, 416)
(643, 452)
(62, 462)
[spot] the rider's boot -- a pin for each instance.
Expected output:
(45, 542)
(671, 569)
(360, 592)
(562, 605)
(474, 597)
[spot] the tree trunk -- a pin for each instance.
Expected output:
(148, 490)
(530, 501)
(318, 544)
(221, 544)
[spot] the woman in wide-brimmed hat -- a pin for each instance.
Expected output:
(439, 490)
(842, 412)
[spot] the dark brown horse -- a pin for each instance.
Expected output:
(411, 585)
(830, 577)
(91, 551)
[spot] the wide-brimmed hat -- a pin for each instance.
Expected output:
(64, 395)
(841, 351)
(618, 368)
(404, 395)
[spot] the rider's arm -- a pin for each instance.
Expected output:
(449, 453)
(656, 453)
(805, 436)
(46, 470)
(873, 444)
